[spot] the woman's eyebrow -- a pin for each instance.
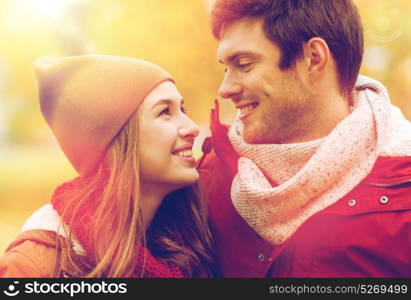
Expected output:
(166, 101)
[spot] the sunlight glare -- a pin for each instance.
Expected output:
(25, 10)
(48, 8)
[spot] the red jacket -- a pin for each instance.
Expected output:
(367, 233)
(33, 254)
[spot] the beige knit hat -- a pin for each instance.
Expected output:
(87, 99)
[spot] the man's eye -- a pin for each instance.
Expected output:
(183, 110)
(243, 66)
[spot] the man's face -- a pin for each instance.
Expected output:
(275, 105)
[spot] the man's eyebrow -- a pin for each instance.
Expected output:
(234, 56)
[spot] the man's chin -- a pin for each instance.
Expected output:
(251, 137)
(255, 135)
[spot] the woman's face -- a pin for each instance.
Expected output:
(166, 138)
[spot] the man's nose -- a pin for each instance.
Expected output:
(229, 87)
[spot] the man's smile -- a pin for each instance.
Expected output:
(247, 109)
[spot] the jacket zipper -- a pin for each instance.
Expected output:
(391, 184)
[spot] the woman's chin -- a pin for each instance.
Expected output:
(186, 177)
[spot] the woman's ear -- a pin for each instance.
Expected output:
(317, 56)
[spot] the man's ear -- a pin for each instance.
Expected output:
(316, 55)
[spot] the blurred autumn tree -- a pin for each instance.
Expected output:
(387, 27)
(173, 34)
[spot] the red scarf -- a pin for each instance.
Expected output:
(153, 267)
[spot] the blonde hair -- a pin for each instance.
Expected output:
(178, 234)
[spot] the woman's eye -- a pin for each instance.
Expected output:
(168, 111)
(165, 111)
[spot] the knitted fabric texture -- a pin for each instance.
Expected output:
(87, 99)
(275, 210)
(285, 160)
(147, 264)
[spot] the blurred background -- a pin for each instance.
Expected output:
(174, 34)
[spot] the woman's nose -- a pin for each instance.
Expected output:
(189, 129)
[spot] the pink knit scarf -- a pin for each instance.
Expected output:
(326, 169)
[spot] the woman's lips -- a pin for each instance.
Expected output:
(185, 153)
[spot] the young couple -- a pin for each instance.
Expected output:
(312, 179)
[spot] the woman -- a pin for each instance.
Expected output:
(134, 211)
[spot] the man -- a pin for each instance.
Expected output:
(313, 179)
